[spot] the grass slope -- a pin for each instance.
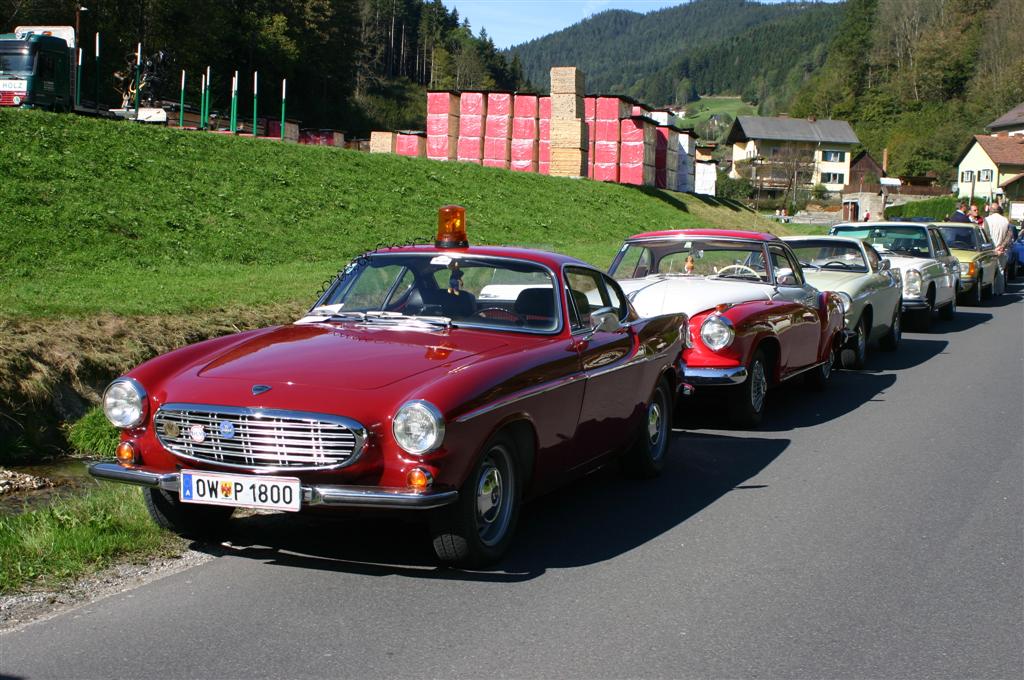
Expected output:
(129, 219)
(699, 112)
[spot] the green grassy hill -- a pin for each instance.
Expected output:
(127, 219)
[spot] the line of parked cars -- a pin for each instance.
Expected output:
(459, 381)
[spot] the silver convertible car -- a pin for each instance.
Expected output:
(870, 287)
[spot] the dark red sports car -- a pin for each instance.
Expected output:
(447, 380)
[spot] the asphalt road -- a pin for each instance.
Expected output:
(874, 530)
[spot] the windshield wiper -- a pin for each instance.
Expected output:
(808, 264)
(397, 318)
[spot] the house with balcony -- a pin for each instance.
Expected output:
(776, 153)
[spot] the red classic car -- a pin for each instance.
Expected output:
(754, 320)
(451, 380)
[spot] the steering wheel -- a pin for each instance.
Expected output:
(501, 314)
(740, 267)
(841, 264)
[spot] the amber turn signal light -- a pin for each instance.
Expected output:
(127, 453)
(451, 227)
(419, 479)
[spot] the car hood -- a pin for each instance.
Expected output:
(904, 263)
(658, 294)
(349, 355)
(832, 280)
(966, 255)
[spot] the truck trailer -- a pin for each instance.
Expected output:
(37, 67)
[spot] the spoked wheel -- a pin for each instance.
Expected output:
(860, 347)
(478, 528)
(202, 522)
(746, 403)
(891, 340)
(647, 457)
(819, 376)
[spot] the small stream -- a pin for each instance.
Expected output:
(69, 475)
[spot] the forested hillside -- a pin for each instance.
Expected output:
(921, 76)
(765, 65)
(619, 51)
(350, 64)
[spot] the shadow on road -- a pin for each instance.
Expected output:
(594, 519)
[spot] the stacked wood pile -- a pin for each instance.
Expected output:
(604, 137)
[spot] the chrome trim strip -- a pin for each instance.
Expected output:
(358, 431)
(324, 494)
(914, 304)
(715, 376)
(519, 396)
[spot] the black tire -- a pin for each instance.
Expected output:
(891, 340)
(818, 377)
(860, 347)
(924, 316)
(985, 293)
(747, 400)
(974, 297)
(200, 522)
(465, 535)
(948, 312)
(646, 458)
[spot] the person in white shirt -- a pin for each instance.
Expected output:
(999, 229)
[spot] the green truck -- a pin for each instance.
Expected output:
(37, 67)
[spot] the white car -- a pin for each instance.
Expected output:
(931, 273)
(870, 287)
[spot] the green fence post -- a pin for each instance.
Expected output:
(284, 93)
(181, 105)
(96, 79)
(78, 80)
(138, 79)
(255, 92)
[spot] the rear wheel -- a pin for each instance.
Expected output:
(202, 522)
(860, 346)
(647, 457)
(477, 529)
(819, 376)
(747, 400)
(891, 340)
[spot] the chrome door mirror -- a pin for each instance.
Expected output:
(787, 280)
(605, 319)
(884, 265)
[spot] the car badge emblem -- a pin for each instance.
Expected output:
(227, 429)
(259, 389)
(171, 429)
(197, 433)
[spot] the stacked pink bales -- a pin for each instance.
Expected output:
(637, 151)
(413, 144)
(498, 130)
(442, 126)
(525, 132)
(609, 111)
(472, 124)
(590, 117)
(544, 142)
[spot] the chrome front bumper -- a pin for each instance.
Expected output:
(320, 494)
(912, 304)
(734, 375)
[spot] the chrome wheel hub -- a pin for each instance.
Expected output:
(758, 386)
(488, 495)
(494, 496)
(654, 423)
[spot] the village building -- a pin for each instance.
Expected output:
(1010, 123)
(776, 152)
(988, 162)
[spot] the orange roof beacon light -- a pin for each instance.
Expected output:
(451, 227)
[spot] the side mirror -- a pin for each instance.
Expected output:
(605, 319)
(787, 280)
(884, 265)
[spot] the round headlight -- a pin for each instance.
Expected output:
(716, 332)
(846, 302)
(124, 403)
(912, 284)
(418, 427)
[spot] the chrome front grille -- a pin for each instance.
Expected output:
(259, 438)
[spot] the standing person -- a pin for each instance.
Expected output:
(1002, 238)
(961, 213)
(974, 215)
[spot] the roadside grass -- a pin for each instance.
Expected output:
(77, 535)
(706, 107)
(92, 435)
(129, 219)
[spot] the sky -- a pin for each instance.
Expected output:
(511, 22)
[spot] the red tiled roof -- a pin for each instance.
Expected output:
(1003, 149)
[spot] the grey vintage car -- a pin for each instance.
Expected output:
(870, 287)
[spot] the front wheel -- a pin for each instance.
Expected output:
(478, 528)
(974, 297)
(860, 347)
(948, 313)
(747, 400)
(191, 520)
(647, 457)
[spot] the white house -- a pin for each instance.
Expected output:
(988, 162)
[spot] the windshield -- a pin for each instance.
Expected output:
(15, 63)
(692, 257)
(902, 240)
(963, 238)
(833, 255)
(435, 287)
